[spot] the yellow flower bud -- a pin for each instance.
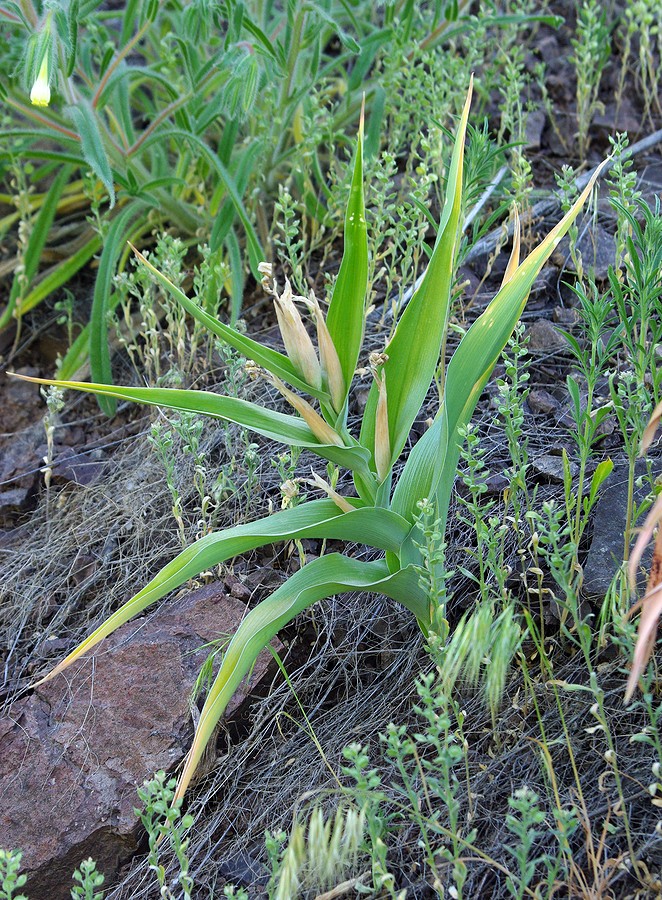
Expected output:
(40, 95)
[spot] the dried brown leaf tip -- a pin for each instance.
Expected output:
(651, 603)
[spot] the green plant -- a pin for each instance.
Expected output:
(370, 799)
(382, 515)
(161, 816)
(619, 319)
(10, 880)
(591, 50)
(636, 294)
(513, 122)
(595, 310)
(88, 881)
(524, 823)
(622, 183)
(567, 184)
(188, 117)
(432, 793)
(436, 754)
(86, 877)
(320, 852)
(176, 115)
(641, 22)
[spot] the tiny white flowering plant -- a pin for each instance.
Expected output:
(382, 514)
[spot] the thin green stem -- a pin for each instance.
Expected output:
(8, 15)
(118, 59)
(31, 113)
(438, 32)
(172, 107)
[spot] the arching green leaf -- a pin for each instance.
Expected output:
(321, 578)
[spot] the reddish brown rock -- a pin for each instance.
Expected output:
(541, 401)
(544, 338)
(70, 467)
(72, 754)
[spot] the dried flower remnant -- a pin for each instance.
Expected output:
(382, 437)
(340, 501)
(323, 432)
(331, 368)
(298, 344)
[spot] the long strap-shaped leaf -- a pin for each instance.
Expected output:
(321, 578)
(346, 316)
(317, 519)
(85, 122)
(413, 352)
(430, 469)
(275, 362)
(275, 425)
(113, 245)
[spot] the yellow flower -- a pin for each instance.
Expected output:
(40, 95)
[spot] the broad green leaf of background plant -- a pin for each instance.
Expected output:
(83, 117)
(113, 245)
(320, 578)
(61, 273)
(255, 251)
(316, 519)
(413, 352)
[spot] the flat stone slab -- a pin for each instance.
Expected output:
(73, 753)
(605, 554)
